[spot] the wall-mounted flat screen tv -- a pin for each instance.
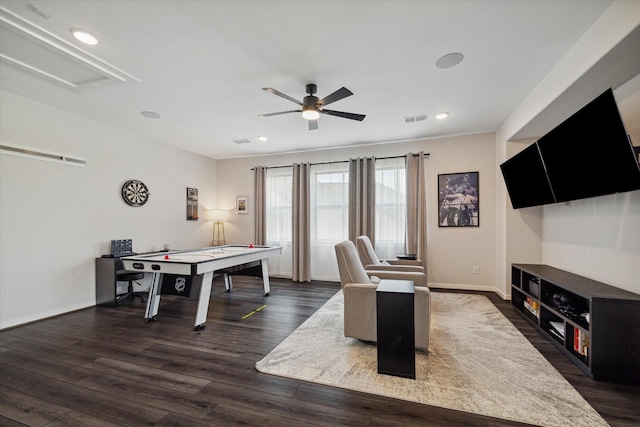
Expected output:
(526, 179)
(590, 154)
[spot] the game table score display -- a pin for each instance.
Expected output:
(198, 262)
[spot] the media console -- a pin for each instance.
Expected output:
(597, 326)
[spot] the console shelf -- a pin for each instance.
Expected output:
(597, 326)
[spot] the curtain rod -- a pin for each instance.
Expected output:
(341, 161)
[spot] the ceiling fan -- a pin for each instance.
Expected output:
(312, 107)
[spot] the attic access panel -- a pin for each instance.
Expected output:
(33, 49)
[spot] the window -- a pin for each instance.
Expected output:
(278, 218)
(329, 216)
(329, 196)
(330, 202)
(391, 207)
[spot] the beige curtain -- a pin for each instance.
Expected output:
(416, 239)
(362, 192)
(301, 243)
(260, 180)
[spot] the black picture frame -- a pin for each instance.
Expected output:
(192, 204)
(459, 199)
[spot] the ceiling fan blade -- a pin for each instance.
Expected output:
(281, 112)
(282, 95)
(352, 116)
(313, 124)
(343, 92)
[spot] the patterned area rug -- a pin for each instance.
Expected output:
(477, 362)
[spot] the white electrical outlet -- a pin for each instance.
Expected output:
(476, 270)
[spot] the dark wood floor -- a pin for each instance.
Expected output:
(105, 366)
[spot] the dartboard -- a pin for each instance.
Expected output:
(135, 193)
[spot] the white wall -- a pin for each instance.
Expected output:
(597, 237)
(56, 219)
(452, 252)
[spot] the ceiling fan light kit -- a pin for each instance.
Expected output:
(310, 113)
(312, 107)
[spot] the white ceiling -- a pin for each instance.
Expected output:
(201, 66)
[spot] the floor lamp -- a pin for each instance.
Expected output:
(218, 216)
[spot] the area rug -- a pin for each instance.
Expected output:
(478, 362)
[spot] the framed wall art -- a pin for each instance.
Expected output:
(192, 204)
(242, 205)
(458, 200)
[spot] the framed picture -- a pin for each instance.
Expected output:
(192, 204)
(458, 200)
(241, 205)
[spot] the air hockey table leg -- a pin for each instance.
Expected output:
(153, 300)
(228, 283)
(265, 277)
(203, 302)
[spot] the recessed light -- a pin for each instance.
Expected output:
(449, 60)
(442, 115)
(84, 36)
(262, 138)
(150, 115)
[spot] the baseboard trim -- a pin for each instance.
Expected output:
(464, 287)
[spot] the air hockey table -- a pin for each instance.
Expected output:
(200, 262)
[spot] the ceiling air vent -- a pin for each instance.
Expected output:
(241, 141)
(411, 119)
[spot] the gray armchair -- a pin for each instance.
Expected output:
(359, 291)
(371, 262)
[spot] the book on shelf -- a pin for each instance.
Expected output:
(580, 342)
(532, 306)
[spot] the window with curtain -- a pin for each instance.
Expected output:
(391, 207)
(329, 217)
(278, 189)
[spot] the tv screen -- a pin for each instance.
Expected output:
(526, 180)
(590, 154)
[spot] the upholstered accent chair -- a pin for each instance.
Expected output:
(359, 289)
(370, 260)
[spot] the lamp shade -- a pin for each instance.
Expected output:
(217, 215)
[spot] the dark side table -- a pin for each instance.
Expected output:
(396, 328)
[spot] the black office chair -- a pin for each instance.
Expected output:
(129, 276)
